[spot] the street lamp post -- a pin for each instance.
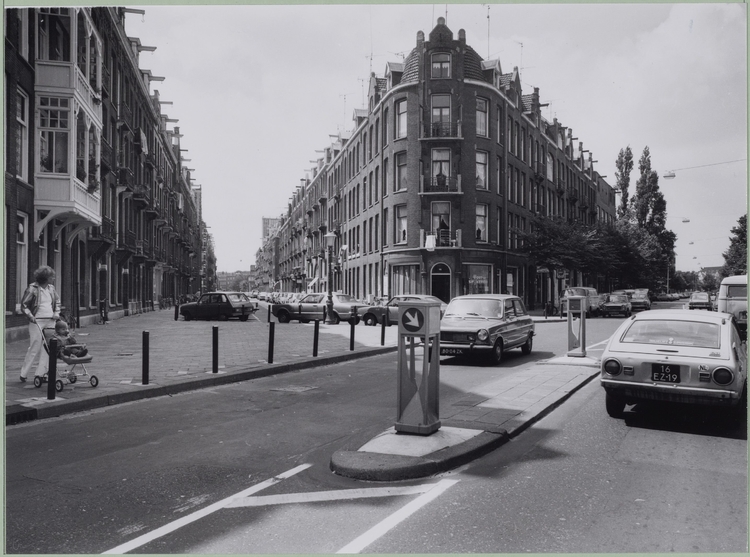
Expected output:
(330, 239)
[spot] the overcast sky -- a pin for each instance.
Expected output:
(258, 89)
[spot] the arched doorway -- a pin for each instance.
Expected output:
(441, 282)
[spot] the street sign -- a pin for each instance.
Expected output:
(413, 320)
(419, 318)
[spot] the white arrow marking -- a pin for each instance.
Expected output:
(395, 519)
(412, 320)
(338, 495)
(185, 520)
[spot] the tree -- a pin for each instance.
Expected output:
(735, 258)
(624, 165)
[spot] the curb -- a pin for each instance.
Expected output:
(361, 465)
(18, 413)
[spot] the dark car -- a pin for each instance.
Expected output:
(313, 306)
(617, 304)
(219, 305)
(372, 315)
(485, 325)
(700, 300)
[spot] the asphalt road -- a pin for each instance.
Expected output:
(91, 482)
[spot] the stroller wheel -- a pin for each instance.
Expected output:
(59, 385)
(37, 381)
(94, 381)
(72, 377)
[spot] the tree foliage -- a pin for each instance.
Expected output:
(624, 165)
(735, 258)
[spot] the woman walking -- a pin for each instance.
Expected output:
(41, 304)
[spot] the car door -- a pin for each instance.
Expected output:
(203, 306)
(508, 328)
(313, 308)
(524, 322)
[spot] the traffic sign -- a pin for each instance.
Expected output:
(412, 320)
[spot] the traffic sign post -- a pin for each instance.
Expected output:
(418, 392)
(576, 326)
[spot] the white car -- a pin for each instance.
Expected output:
(676, 356)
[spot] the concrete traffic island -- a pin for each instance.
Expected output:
(393, 456)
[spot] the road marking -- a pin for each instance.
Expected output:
(185, 520)
(337, 495)
(395, 519)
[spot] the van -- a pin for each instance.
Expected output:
(733, 299)
(591, 303)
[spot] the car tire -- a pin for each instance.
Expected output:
(370, 320)
(615, 406)
(188, 317)
(336, 318)
(527, 346)
(283, 316)
(244, 317)
(496, 355)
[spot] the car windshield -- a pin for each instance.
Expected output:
(677, 333)
(618, 298)
(640, 296)
(237, 297)
(575, 292)
(738, 291)
(475, 307)
(700, 297)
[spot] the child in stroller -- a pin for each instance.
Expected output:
(68, 351)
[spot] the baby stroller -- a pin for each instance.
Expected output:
(70, 374)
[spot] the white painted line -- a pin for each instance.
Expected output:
(597, 344)
(395, 519)
(337, 495)
(197, 515)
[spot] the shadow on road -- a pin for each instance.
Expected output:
(683, 418)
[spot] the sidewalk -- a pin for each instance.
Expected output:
(180, 359)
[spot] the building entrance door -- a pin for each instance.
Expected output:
(441, 282)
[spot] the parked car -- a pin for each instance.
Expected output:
(312, 307)
(732, 299)
(591, 303)
(663, 297)
(617, 304)
(640, 301)
(374, 314)
(700, 300)
(485, 325)
(219, 305)
(675, 355)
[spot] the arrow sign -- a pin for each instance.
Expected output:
(413, 320)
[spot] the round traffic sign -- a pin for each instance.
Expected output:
(412, 320)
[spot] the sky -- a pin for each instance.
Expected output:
(259, 89)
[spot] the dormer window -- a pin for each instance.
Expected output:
(441, 66)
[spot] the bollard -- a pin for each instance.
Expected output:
(353, 326)
(315, 338)
(52, 370)
(269, 313)
(382, 328)
(144, 378)
(176, 312)
(270, 342)
(216, 349)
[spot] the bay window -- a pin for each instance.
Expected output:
(54, 131)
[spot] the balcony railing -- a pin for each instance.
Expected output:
(434, 130)
(440, 184)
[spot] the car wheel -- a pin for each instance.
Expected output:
(188, 317)
(496, 356)
(244, 317)
(283, 316)
(336, 318)
(526, 348)
(615, 406)
(224, 317)
(370, 320)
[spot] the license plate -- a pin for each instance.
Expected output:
(451, 351)
(665, 373)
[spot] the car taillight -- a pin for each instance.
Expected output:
(612, 367)
(723, 376)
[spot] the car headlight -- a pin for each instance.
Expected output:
(612, 366)
(723, 376)
(483, 334)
